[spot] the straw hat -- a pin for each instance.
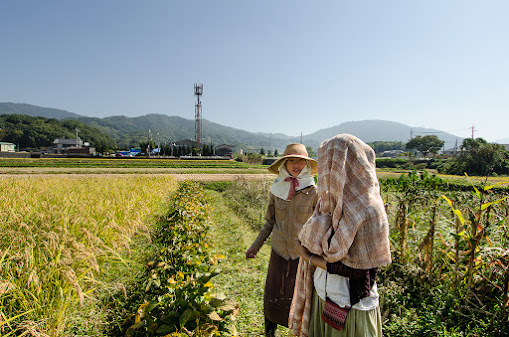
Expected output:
(294, 151)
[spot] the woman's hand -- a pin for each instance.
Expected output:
(303, 252)
(251, 253)
(316, 260)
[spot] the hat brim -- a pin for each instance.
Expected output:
(274, 167)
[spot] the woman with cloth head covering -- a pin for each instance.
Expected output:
(292, 200)
(347, 238)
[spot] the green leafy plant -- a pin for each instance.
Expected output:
(454, 275)
(177, 284)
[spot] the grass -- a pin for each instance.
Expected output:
(241, 280)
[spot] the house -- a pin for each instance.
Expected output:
(392, 153)
(7, 147)
(62, 145)
(452, 152)
(224, 150)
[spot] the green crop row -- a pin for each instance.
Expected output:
(176, 297)
(119, 163)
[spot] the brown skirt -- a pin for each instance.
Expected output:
(279, 288)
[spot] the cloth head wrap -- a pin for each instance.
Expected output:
(349, 223)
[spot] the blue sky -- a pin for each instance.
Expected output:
(289, 66)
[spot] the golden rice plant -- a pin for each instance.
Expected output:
(59, 239)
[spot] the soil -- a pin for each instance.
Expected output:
(179, 177)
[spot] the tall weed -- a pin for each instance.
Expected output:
(452, 272)
(249, 199)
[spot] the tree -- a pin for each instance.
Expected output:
(147, 146)
(275, 153)
(262, 151)
(426, 144)
(311, 152)
(36, 132)
(470, 144)
(478, 157)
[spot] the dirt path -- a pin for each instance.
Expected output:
(81, 173)
(222, 177)
(178, 177)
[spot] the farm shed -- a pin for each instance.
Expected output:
(224, 150)
(7, 147)
(86, 151)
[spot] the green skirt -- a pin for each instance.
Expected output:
(358, 323)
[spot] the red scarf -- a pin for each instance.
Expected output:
(294, 182)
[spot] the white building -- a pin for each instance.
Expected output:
(7, 147)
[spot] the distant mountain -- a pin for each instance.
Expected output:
(274, 135)
(380, 130)
(32, 110)
(129, 131)
(166, 129)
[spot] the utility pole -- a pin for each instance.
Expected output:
(270, 143)
(149, 140)
(198, 91)
(77, 138)
(158, 143)
(473, 128)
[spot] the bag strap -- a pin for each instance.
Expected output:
(326, 273)
(348, 307)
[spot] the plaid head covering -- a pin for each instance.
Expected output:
(350, 215)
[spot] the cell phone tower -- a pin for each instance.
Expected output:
(198, 91)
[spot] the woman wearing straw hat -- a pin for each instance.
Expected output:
(292, 200)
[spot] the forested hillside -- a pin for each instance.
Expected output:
(131, 131)
(29, 132)
(33, 110)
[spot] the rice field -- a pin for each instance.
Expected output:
(65, 240)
